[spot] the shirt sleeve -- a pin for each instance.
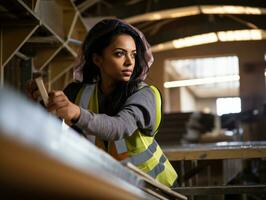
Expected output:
(138, 112)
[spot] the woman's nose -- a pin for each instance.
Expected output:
(129, 60)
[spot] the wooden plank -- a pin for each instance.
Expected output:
(79, 30)
(28, 9)
(227, 150)
(68, 77)
(228, 189)
(156, 185)
(53, 32)
(1, 52)
(44, 56)
(36, 6)
(13, 39)
(32, 172)
(31, 3)
(77, 35)
(22, 56)
(68, 18)
(44, 40)
(60, 83)
(42, 90)
(86, 4)
(51, 15)
(41, 156)
(63, 81)
(70, 50)
(72, 25)
(66, 4)
(69, 13)
(59, 66)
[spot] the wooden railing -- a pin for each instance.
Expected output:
(222, 161)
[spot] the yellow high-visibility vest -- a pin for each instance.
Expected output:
(139, 149)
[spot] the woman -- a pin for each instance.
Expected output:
(110, 104)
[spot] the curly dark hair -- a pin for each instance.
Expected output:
(99, 37)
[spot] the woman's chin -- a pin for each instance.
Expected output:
(126, 79)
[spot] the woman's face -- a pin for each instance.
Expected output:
(117, 61)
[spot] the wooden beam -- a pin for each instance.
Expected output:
(44, 56)
(228, 189)
(22, 56)
(68, 77)
(31, 4)
(229, 150)
(50, 14)
(79, 30)
(59, 66)
(62, 81)
(86, 4)
(32, 172)
(70, 50)
(1, 55)
(46, 40)
(77, 36)
(75, 42)
(36, 6)
(69, 14)
(13, 39)
(45, 160)
(72, 25)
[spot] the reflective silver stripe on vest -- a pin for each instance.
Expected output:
(158, 168)
(85, 96)
(121, 146)
(144, 156)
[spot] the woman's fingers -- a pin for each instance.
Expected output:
(36, 95)
(32, 90)
(56, 96)
(31, 85)
(56, 105)
(57, 93)
(65, 109)
(57, 99)
(69, 112)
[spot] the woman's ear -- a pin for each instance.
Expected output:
(96, 60)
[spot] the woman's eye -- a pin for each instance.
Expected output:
(134, 55)
(119, 53)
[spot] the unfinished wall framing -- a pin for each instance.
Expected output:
(49, 33)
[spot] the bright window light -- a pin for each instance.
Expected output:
(196, 10)
(231, 10)
(195, 40)
(206, 38)
(201, 81)
(208, 72)
(240, 35)
(228, 105)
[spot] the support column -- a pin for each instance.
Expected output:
(253, 95)
(1, 65)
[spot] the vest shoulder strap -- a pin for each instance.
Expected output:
(159, 111)
(85, 95)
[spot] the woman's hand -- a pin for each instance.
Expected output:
(63, 108)
(32, 91)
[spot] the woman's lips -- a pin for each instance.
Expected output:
(127, 72)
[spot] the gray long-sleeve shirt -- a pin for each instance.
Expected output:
(138, 112)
